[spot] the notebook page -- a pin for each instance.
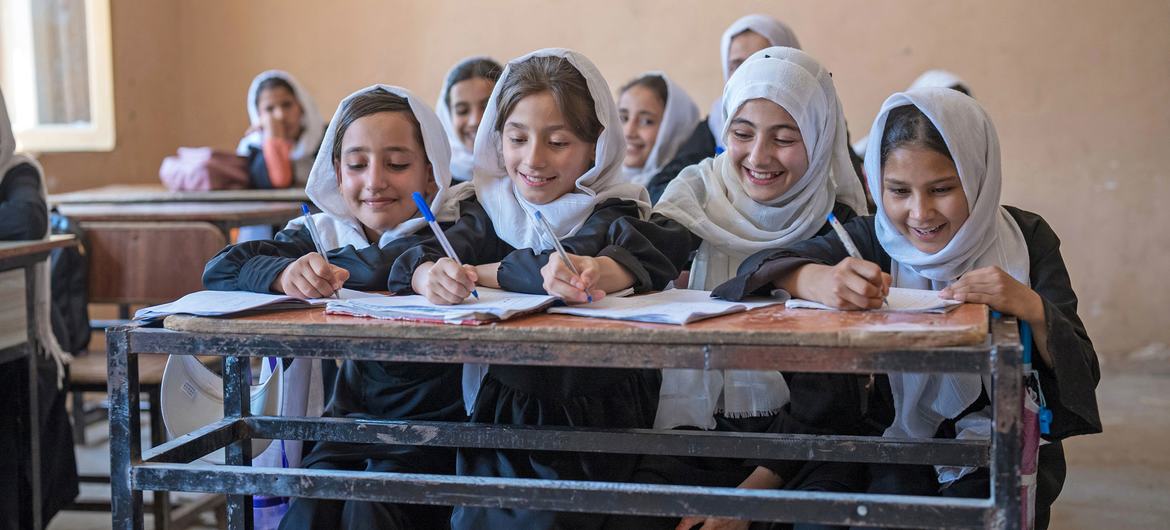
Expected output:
(901, 300)
(675, 306)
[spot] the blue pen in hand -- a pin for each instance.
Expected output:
(316, 238)
(430, 217)
(552, 236)
(849, 246)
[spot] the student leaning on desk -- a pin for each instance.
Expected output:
(24, 215)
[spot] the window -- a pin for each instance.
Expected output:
(55, 68)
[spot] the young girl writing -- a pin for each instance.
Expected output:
(382, 145)
(657, 115)
(785, 169)
(933, 161)
(464, 97)
(550, 141)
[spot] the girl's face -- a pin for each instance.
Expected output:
(765, 145)
(381, 165)
(280, 104)
(923, 196)
(743, 46)
(468, 100)
(641, 114)
(542, 156)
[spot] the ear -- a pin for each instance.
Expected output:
(337, 172)
(431, 187)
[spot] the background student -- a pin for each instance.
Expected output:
(657, 117)
(285, 134)
(464, 97)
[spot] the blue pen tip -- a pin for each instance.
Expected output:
(830, 217)
(304, 208)
(421, 202)
(475, 293)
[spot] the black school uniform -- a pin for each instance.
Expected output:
(364, 389)
(818, 404)
(698, 147)
(258, 168)
(521, 395)
(1069, 386)
(25, 216)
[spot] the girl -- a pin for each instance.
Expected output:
(24, 215)
(657, 115)
(461, 104)
(285, 133)
(933, 160)
(383, 144)
(550, 141)
(785, 169)
(742, 38)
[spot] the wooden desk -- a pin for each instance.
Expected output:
(769, 338)
(156, 193)
(151, 253)
(20, 322)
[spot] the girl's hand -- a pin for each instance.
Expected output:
(272, 127)
(851, 284)
(310, 276)
(444, 282)
(996, 288)
(560, 281)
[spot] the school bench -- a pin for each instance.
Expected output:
(18, 342)
(965, 340)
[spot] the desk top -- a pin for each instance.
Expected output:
(156, 193)
(17, 249)
(230, 212)
(769, 326)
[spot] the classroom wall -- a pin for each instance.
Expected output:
(1079, 91)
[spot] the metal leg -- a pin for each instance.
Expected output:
(1006, 442)
(236, 404)
(34, 412)
(161, 505)
(125, 429)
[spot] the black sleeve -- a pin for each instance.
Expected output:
(700, 146)
(675, 242)
(254, 265)
(472, 236)
(23, 212)
(258, 169)
(818, 404)
(756, 274)
(1070, 386)
(607, 232)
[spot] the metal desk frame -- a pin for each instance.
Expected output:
(167, 467)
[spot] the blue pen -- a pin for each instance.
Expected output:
(848, 242)
(313, 235)
(430, 217)
(552, 236)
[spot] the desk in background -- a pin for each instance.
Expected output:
(156, 193)
(772, 338)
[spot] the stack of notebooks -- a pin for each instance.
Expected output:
(223, 303)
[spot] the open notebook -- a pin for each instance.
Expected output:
(493, 305)
(676, 306)
(901, 300)
(220, 303)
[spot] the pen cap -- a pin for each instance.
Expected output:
(304, 208)
(422, 207)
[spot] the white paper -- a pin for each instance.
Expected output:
(675, 306)
(218, 303)
(493, 304)
(901, 300)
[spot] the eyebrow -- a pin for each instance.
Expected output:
(364, 149)
(777, 127)
(939, 180)
(522, 127)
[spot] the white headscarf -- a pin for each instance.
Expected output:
(510, 213)
(990, 236)
(709, 199)
(462, 160)
(678, 122)
(930, 78)
(777, 33)
(311, 122)
(336, 224)
(42, 297)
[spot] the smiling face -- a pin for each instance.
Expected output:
(767, 150)
(923, 196)
(381, 164)
(542, 155)
(641, 111)
(280, 103)
(468, 100)
(743, 46)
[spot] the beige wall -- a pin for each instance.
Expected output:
(1079, 90)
